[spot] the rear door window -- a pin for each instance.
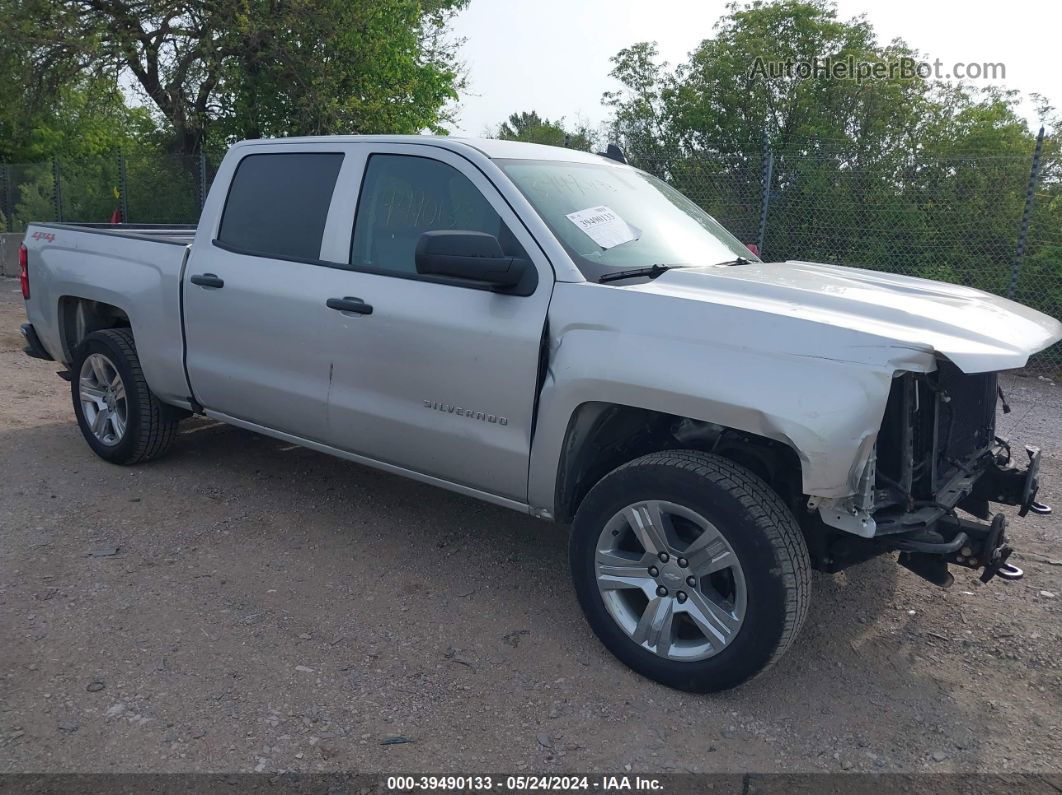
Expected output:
(278, 203)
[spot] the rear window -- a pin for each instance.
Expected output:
(278, 203)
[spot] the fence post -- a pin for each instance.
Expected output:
(6, 213)
(766, 173)
(1026, 216)
(57, 189)
(123, 197)
(9, 186)
(202, 178)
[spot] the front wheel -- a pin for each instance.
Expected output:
(120, 418)
(690, 569)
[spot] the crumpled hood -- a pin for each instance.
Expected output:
(977, 331)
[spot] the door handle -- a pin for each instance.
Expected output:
(207, 280)
(349, 304)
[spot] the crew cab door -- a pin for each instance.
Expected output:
(441, 377)
(256, 321)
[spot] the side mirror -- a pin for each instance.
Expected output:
(475, 256)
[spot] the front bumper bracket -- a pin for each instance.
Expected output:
(959, 542)
(1006, 484)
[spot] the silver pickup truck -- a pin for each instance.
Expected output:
(567, 336)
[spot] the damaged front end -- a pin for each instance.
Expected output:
(937, 452)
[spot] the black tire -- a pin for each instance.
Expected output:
(762, 532)
(150, 425)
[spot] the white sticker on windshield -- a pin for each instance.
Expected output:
(604, 226)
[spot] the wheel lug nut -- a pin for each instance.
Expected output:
(691, 581)
(661, 591)
(681, 596)
(664, 557)
(683, 563)
(653, 571)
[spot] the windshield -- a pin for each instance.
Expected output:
(611, 218)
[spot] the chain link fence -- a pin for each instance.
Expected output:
(140, 189)
(987, 221)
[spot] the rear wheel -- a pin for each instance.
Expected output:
(122, 421)
(690, 569)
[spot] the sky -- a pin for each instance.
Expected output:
(552, 56)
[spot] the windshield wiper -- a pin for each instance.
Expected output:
(735, 261)
(651, 272)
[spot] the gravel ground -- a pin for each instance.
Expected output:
(247, 605)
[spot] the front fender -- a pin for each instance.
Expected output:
(826, 408)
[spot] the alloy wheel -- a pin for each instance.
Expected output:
(103, 399)
(670, 580)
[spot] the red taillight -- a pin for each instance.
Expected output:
(23, 270)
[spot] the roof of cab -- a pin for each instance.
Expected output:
(490, 147)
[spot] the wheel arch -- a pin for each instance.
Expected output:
(79, 317)
(602, 436)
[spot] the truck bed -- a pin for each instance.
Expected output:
(180, 234)
(136, 268)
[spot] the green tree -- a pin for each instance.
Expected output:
(83, 126)
(722, 99)
(313, 67)
(641, 108)
(251, 67)
(81, 119)
(895, 171)
(532, 128)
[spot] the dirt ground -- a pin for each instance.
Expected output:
(247, 605)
